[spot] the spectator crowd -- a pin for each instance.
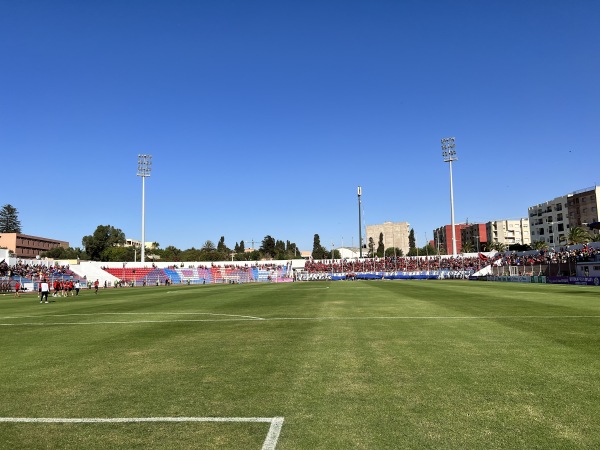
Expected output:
(452, 263)
(34, 271)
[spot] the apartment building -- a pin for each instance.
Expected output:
(475, 234)
(583, 207)
(442, 237)
(509, 231)
(550, 221)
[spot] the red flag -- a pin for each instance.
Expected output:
(483, 257)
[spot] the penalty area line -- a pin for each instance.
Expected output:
(269, 444)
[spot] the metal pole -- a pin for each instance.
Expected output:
(332, 244)
(359, 224)
(449, 154)
(143, 253)
(452, 212)
(427, 250)
(144, 168)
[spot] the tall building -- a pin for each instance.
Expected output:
(475, 234)
(509, 232)
(395, 234)
(583, 207)
(549, 221)
(443, 237)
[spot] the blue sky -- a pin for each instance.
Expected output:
(263, 117)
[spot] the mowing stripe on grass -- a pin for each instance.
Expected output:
(263, 319)
(269, 444)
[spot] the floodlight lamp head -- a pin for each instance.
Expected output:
(144, 165)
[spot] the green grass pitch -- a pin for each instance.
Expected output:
(347, 365)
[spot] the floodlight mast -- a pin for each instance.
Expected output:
(359, 223)
(144, 168)
(449, 154)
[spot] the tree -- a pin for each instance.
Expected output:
(280, 252)
(192, 254)
(292, 250)
(253, 255)
(208, 246)
(65, 253)
(380, 246)
(9, 220)
(221, 247)
(171, 253)
(371, 247)
(496, 246)
(428, 250)
(539, 245)
(577, 235)
(319, 251)
(118, 254)
(267, 246)
(391, 251)
(521, 247)
(411, 239)
(105, 236)
(467, 247)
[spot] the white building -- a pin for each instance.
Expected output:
(135, 243)
(549, 221)
(349, 252)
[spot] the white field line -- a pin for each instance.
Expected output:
(269, 443)
(267, 319)
(235, 316)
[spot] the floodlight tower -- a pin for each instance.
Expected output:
(449, 154)
(359, 223)
(144, 168)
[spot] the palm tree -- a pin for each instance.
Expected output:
(208, 246)
(467, 247)
(577, 235)
(496, 246)
(540, 245)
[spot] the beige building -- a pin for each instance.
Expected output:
(395, 234)
(583, 208)
(135, 243)
(550, 221)
(28, 247)
(509, 232)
